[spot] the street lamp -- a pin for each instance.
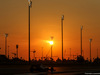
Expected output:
(42, 53)
(17, 50)
(62, 18)
(8, 52)
(81, 39)
(6, 35)
(90, 48)
(51, 43)
(30, 5)
(34, 53)
(70, 53)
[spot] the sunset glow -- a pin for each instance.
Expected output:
(45, 21)
(49, 37)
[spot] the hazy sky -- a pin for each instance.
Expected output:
(46, 22)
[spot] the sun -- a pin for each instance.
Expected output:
(51, 42)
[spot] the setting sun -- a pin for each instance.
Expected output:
(51, 42)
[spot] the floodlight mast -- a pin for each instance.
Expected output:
(30, 5)
(17, 50)
(62, 33)
(8, 52)
(51, 46)
(90, 48)
(42, 53)
(6, 35)
(70, 53)
(81, 39)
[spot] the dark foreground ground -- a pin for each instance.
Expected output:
(61, 70)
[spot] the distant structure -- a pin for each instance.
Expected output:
(97, 53)
(65, 54)
(8, 52)
(6, 35)
(62, 33)
(90, 48)
(42, 53)
(17, 50)
(70, 53)
(34, 51)
(81, 39)
(14, 55)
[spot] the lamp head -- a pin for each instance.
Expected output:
(30, 3)
(52, 37)
(17, 46)
(90, 40)
(62, 17)
(6, 35)
(34, 51)
(81, 27)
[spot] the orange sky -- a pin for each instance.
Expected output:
(46, 22)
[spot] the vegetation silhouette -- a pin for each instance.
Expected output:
(47, 65)
(49, 62)
(80, 59)
(96, 60)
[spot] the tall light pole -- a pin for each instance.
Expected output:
(81, 39)
(8, 52)
(51, 48)
(70, 53)
(90, 48)
(62, 33)
(51, 43)
(30, 5)
(34, 53)
(17, 50)
(6, 35)
(42, 53)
